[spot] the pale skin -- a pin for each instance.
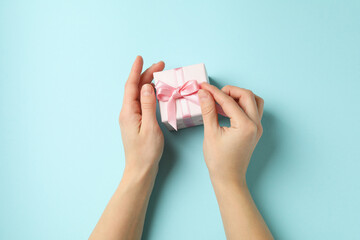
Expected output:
(227, 153)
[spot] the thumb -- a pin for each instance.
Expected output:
(208, 111)
(148, 106)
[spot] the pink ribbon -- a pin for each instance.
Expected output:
(169, 94)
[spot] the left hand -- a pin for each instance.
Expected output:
(142, 137)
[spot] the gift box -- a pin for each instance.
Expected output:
(176, 91)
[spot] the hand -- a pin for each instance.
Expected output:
(142, 137)
(227, 150)
(123, 217)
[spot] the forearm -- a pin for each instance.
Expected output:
(124, 215)
(240, 216)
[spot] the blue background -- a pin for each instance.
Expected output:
(63, 65)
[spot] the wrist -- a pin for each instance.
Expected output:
(140, 163)
(137, 174)
(136, 185)
(225, 180)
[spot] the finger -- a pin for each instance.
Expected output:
(148, 106)
(131, 94)
(260, 105)
(228, 104)
(208, 110)
(246, 100)
(147, 75)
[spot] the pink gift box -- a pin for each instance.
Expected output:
(179, 88)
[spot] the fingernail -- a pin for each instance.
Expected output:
(202, 94)
(146, 90)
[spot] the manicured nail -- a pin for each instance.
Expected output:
(203, 95)
(146, 90)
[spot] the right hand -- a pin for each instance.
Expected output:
(227, 150)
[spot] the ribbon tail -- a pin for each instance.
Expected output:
(171, 111)
(220, 110)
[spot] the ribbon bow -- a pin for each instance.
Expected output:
(188, 90)
(167, 93)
